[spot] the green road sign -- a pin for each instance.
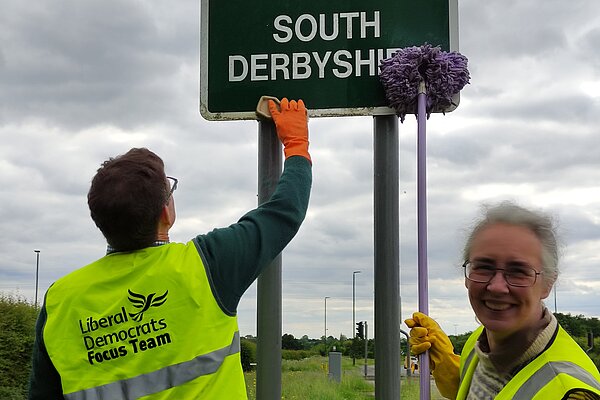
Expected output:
(324, 52)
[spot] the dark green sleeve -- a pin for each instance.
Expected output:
(44, 380)
(236, 255)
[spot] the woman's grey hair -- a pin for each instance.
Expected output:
(541, 224)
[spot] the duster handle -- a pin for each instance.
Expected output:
(422, 231)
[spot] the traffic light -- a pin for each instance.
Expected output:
(360, 330)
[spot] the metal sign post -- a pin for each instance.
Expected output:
(268, 357)
(387, 258)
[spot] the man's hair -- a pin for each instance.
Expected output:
(542, 225)
(126, 199)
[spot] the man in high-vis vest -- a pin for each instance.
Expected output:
(520, 352)
(154, 319)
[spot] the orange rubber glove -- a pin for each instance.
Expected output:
(426, 334)
(292, 127)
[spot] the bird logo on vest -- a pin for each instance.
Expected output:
(144, 303)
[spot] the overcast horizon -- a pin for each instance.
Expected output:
(84, 81)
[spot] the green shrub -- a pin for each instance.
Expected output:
(248, 354)
(17, 332)
(295, 354)
(12, 393)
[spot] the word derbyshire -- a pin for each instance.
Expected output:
(339, 63)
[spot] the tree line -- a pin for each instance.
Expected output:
(17, 331)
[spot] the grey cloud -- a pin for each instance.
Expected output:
(587, 46)
(81, 64)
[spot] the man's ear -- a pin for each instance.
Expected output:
(164, 213)
(166, 216)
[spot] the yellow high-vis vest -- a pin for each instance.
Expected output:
(563, 366)
(143, 325)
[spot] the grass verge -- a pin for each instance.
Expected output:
(307, 379)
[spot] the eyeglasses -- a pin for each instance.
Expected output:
(173, 183)
(517, 274)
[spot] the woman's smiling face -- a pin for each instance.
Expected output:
(501, 308)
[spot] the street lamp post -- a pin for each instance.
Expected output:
(37, 272)
(354, 302)
(326, 297)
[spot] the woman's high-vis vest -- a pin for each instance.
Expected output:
(143, 325)
(563, 366)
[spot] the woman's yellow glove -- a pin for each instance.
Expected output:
(426, 334)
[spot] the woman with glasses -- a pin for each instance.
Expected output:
(520, 351)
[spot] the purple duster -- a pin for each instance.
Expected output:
(445, 74)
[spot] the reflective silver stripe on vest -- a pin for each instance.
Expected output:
(162, 379)
(550, 371)
(467, 364)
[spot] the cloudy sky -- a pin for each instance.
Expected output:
(82, 81)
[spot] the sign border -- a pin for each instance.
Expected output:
(323, 112)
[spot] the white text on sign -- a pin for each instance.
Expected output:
(282, 24)
(340, 63)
